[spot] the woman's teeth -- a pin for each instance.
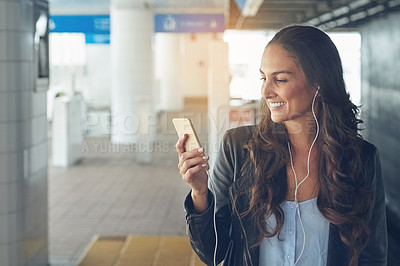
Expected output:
(277, 104)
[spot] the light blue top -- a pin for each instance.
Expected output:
(285, 252)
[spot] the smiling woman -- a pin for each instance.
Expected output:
(300, 188)
(285, 87)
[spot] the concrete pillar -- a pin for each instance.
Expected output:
(132, 27)
(167, 72)
(218, 95)
(23, 142)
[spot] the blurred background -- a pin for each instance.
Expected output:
(88, 89)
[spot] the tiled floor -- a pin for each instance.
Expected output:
(110, 194)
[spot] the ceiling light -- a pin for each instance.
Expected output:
(376, 9)
(394, 3)
(313, 22)
(342, 21)
(359, 3)
(341, 11)
(358, 16)
(326, 17)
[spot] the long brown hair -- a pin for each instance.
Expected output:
(342, 196)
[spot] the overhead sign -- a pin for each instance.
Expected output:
(95, 27)
(191, 23)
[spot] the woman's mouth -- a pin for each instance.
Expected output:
(276, 104)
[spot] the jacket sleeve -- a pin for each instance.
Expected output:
(375, 252)
(201, 226)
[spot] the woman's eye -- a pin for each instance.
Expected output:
(263, 79)
(281, 80)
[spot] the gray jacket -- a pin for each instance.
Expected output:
(237, 235)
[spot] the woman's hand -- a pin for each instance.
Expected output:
(193, 166)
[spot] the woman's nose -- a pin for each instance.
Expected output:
(266, 89)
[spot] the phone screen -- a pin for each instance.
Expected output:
(185, 126)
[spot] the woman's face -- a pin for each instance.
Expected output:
(284, 88)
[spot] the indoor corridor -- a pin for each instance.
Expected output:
(88, 89)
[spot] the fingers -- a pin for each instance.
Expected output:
(192, 165)
(189, 155)
(180, 145)
(193, 176)
(200, 162)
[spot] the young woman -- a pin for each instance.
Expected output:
(300, 188)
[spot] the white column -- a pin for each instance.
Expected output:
(132, 27)
(167, 72)
(218, 95)
(23, 142)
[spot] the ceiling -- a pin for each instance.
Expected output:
(326, 14)
(271, 14)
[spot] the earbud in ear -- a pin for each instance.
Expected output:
(317, 91)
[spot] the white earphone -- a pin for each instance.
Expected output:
(308, 173)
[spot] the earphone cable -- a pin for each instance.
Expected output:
(214, 218)
(308, 173)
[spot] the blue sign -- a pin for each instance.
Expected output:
(241, 3)
(189, 23)
(95, 27)
(97, 38)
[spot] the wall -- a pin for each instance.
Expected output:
(194, 58)
(23, 143)
(380, 83)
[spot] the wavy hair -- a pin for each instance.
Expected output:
(342, 196)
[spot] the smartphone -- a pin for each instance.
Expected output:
(185, 126)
